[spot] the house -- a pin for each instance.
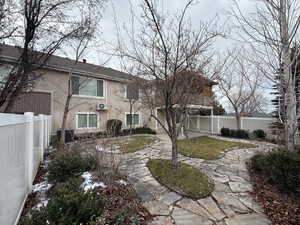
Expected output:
(105, 94)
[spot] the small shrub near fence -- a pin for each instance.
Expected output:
(226, 132)
(68, 204)
(67, 165)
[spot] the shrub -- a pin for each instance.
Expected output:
(282, 167)
(101, 134)
(113, 127)
(225, 132)
(144, 130)
(83, 136)
(67, 165)
(68, 205)
(232, 133)
(259, 134)
(242, 134)
(138, 130)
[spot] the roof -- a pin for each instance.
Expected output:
(11, 54)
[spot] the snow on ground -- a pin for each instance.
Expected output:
(123, 182)
(89, 184)
(41, 187)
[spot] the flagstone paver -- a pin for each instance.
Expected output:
(229, 204)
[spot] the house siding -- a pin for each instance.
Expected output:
(56, 83)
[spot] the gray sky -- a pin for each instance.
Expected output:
(203, 10)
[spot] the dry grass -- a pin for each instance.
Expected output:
(136, 143)
(185, 180)
(207, 148)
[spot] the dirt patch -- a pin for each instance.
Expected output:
(281, 208)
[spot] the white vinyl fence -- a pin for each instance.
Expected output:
(23, 139)
(214, 124)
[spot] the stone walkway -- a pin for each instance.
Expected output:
(229, 204)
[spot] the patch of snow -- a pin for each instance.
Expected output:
(123, 182)
(89, 184)
(43, 203)
(41, 187)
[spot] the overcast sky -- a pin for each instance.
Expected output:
(203, 10)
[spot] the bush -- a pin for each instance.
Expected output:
(138, 130)
(225, 132)
(68, 204)
(242, 134)
(113, 127)
(282, 167)
(83, 136)
(232, 133)
(67, 165)
(259, 134)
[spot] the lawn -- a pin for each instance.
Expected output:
(185, 180)
(207, 148)
(136, 143)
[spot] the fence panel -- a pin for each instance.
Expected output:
(252, 124)
(18, 162)
(208, 124)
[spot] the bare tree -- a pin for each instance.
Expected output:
(239, 84)
(79, 44)
(47, 25)
(7, 23)
(167, 53)
(271, 33)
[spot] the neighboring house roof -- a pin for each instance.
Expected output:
(10, 53)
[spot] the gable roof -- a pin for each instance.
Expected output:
(9, 53)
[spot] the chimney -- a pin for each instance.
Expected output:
(84, 60)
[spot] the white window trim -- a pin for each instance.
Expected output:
(140, 119)
(87, 128)
(89, 96)
(125, 94)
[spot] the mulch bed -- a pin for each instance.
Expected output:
(281, 208)
(123, 203)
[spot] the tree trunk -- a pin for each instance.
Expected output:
(238, 121)
(131, 116)
(291, 118)
(174, 162)
(64, 121)
(291, 123)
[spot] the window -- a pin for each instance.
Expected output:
(87, 120)
(83, 86)
(132, 92)
(133, 119)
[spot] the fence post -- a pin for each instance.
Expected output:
(49, 129)
(218, 124)
(41, 136)
(212, 120)
(29, 149)
(45, 131)
(242, 122)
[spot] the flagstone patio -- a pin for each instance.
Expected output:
(229, 204)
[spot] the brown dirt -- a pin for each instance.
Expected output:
(281, 208)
